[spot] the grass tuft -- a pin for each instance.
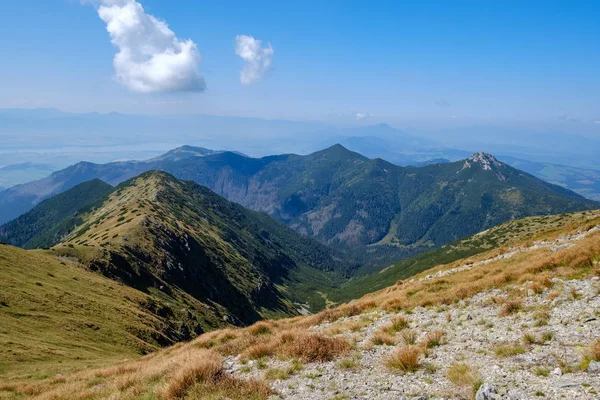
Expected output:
(405, 359)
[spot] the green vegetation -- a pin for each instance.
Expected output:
(346, 200)
(56, 316)
(51, 220)
(507, 234)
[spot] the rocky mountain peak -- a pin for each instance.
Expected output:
(486, 160)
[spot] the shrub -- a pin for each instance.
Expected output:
(405, 359)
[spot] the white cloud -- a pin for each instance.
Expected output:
(362, 115)
(597, 122)
(257, 60)
(151, 58)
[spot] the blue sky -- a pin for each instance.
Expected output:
(413, 63)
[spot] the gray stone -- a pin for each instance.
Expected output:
(486, 392)
(594, 367)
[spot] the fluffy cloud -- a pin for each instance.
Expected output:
(150, 58)
(362, 115)
(257, 60)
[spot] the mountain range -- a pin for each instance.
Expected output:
(340, 197)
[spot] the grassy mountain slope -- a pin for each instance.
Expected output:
(403, 312)
(54, 314)
(502, 236)
(158, 261)
(164, 236)
(47, 223)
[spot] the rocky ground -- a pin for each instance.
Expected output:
(531, 348)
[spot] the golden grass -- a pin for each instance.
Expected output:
(433, 339)
(298, 344)
(511, 307)
(593, 352)
(260, 328)
(174, 373)
(345, 326)
(405, 359)
(398, 323)
(509, 349)
(382, 337)
(409, 337)
(461, 375)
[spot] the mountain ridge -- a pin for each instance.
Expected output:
(346, 200)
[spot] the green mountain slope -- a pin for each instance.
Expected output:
(55, 313)
(47, 223)
(170, 237)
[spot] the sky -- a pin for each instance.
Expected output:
(409, 63)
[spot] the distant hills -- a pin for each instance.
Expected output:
(586, 182)
(340, 197)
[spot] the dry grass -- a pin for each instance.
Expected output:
(511, 307)
(175, 373)
(433, 339)
(260, 328)
(348, 326)
(553, 295)
(313, 347)
(297, 344)
(398, 323)
(576, 261)
(509, 349)
(405, 359)
(382, 337)
(592, 353)
(595, 350)
(461, 375)
(467, 381)
(409, 337)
